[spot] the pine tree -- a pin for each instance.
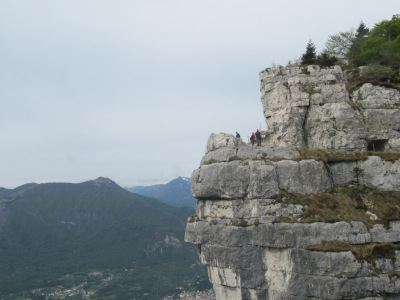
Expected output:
(309, 57)
(355, 48)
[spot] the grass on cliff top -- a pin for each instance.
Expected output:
(336, 156)
(368, 252)
(375, 74)
(345, 204)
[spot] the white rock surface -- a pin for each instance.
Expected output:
(316, 111)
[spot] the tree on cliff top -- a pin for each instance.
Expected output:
(339, 44)
(309, 57)
(363, 47)
(382, 45)
(355, 47)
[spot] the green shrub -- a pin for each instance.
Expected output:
(309, 88)
(377, 72)
(326, 60)
(193, 218)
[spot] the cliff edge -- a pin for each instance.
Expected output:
(314, 213)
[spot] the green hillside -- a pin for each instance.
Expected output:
(50, 233)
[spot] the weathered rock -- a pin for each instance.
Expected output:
(379, 234)
(335, 126)
(260, 210)
(263, 181)
(253, 242)
(343, 173)
(380, 174)
(259, 175)
(222, 140)
(369, 96)
(373, 172)
(383, 129)
(315, 110)
(305, 176)
(243, 152)
(221, 181)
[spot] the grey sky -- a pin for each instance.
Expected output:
(131, 90)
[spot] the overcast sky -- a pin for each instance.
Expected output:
(131, 90)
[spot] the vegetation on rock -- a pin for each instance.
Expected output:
(378, 49)
(366, 252)
(345, 204)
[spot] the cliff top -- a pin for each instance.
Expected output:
(313, 108)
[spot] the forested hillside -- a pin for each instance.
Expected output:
(96, 235)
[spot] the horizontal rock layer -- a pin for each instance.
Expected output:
(245, 172)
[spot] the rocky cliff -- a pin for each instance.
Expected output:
(314, 212)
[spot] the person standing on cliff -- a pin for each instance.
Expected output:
(252, 138)
(258, 137)
(236, 142)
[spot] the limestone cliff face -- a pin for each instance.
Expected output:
(274, 223)
(312, 108)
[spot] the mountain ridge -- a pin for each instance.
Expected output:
(49, 230)
(176, 192)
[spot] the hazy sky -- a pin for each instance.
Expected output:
(131, 90)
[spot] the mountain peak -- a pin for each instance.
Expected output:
(180, 180)
(187, 179)
(102, 181)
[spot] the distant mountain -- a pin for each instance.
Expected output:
(176, 192)
(58, 234)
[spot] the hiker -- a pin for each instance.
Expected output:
(236, 142)
(258, 137)
(252, 138)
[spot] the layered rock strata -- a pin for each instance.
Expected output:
(258, 241)
(311, 107)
